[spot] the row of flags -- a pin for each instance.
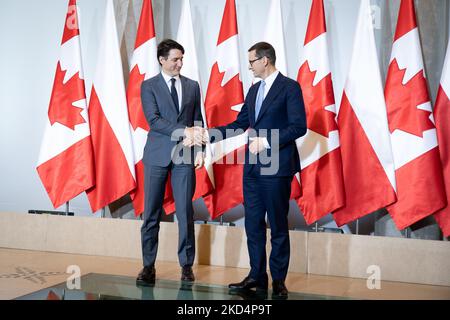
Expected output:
(383, 148)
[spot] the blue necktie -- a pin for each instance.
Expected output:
(173, 93)
(259, 98)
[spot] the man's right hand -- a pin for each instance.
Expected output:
(194, 136)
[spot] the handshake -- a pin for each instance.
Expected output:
(195, 136)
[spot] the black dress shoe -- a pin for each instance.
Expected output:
(279, 289)
(187, 274)
(247, 284)
(248, 294)
(146, 276)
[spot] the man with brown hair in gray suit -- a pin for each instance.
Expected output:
(171, 106)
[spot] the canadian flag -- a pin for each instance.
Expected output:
(367, 161)
(65, 164)
(319, 149)
(110, 126)
(442, 118)
(418, 171)
(224, 100)
(144, 65)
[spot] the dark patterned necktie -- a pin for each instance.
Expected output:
(173, 93)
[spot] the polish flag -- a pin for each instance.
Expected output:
(442, 118)
(65, 164)
(185, 36)
(224, 100)
(418, 171)
(319, 149)
(144, 65)
(274, 34)
(110, 126)
(367, 161)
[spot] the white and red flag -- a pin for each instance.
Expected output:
(442, 118)
(144, 65)
(320, 152)
(274, 34)
(65, 164)
(224, 100)
(418, 171)
(110, 126)
(185, 36)
(367, 161)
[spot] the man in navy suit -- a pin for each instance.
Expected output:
(171, 105)
(274, 113)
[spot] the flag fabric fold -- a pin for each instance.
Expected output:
(442, 118)
(224, 100)
(319, 150)
(185, 36)
(274, 34)
(65, 164)
(367, 161)
(144, 65)
(110, 125)
(418, 171)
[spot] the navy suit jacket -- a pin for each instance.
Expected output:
(282, 109)
(164, 118)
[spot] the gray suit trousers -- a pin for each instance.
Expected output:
(183, 186)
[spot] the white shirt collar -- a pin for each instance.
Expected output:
(167, 77)
(270, 79)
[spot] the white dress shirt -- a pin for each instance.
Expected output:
(167, 79)
(269, 82)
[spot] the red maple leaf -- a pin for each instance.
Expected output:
(316, 98)
(61, 109)
(402, 101)
(135, 111)
(219, 100)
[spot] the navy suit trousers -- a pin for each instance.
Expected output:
(271, 195)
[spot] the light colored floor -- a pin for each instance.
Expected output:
(23, 272)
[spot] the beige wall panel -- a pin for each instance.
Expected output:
(405, 260)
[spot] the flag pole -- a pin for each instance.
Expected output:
(407, 233)
(103, 212)
(67, 208)
(316, 227)
(357, 226)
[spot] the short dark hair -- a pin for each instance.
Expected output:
(264, 49)
(166, 45)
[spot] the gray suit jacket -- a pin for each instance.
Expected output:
(164, 120)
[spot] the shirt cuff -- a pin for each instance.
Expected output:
(265, 142)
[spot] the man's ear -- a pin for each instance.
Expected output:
(160, 59)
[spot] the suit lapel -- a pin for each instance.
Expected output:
(165, 90)
(184, 91)
(273, 92)
(252, 104)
